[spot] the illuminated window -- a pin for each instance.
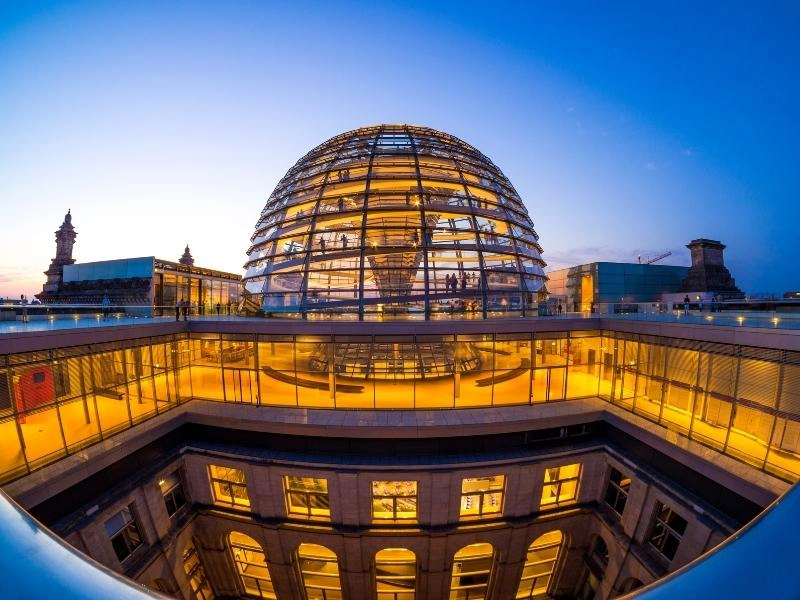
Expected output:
(251, 564)
(319, 572)
(395, 574)
(228, 486)
(172, 489)
(540, 562)
(124, 533)
(667, 530)
(617, 491)
(482, 496)
(394, 500)
(561, 484)
(472, 571)
(196, 574)
(307, 497)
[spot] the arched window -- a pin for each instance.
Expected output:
(395, 574)
(319, 572)
(472, 570)
(540, 562)
(251, 565)
(196, 574)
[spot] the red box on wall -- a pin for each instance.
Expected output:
(32, 388)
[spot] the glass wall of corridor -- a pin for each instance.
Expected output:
(742, 401)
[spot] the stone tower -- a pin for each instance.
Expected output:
(65, 240)
(187, 259)
(708, 272)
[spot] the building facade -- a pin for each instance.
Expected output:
(429, 452)
(582, 286)
(144, 286)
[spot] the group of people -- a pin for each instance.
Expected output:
(451, 282)
(714, 304)
(186, 308)
(182, 307)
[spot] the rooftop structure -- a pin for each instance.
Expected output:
(394, 221)
(583, 287)
(422, 453)
(152, 284)
(708, 272)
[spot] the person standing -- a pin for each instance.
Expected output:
(178, 309)
(185, 309)
(447, 281)
(454, 282)
(24, 302)
(464, 281)
(218, 307)
(106, 304)
(686, 304)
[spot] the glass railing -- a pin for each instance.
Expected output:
(771, 315)
(15, 318)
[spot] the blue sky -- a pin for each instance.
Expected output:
(628, 128)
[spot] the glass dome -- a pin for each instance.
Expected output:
(394, 221)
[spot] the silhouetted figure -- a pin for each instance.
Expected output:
(106, 304)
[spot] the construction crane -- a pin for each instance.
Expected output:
(654, 260)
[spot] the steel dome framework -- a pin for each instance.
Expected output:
(394, 221)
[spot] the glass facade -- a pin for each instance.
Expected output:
(394, 221)
(741, 401)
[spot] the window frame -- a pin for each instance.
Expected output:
(405, 594)
(618, 491)
(668, 532)
(124, 533)
(559, 484)
(240, 501)
(172, 492)
(308, 495)
(394, 500)
(483, 496)
(241, 553)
